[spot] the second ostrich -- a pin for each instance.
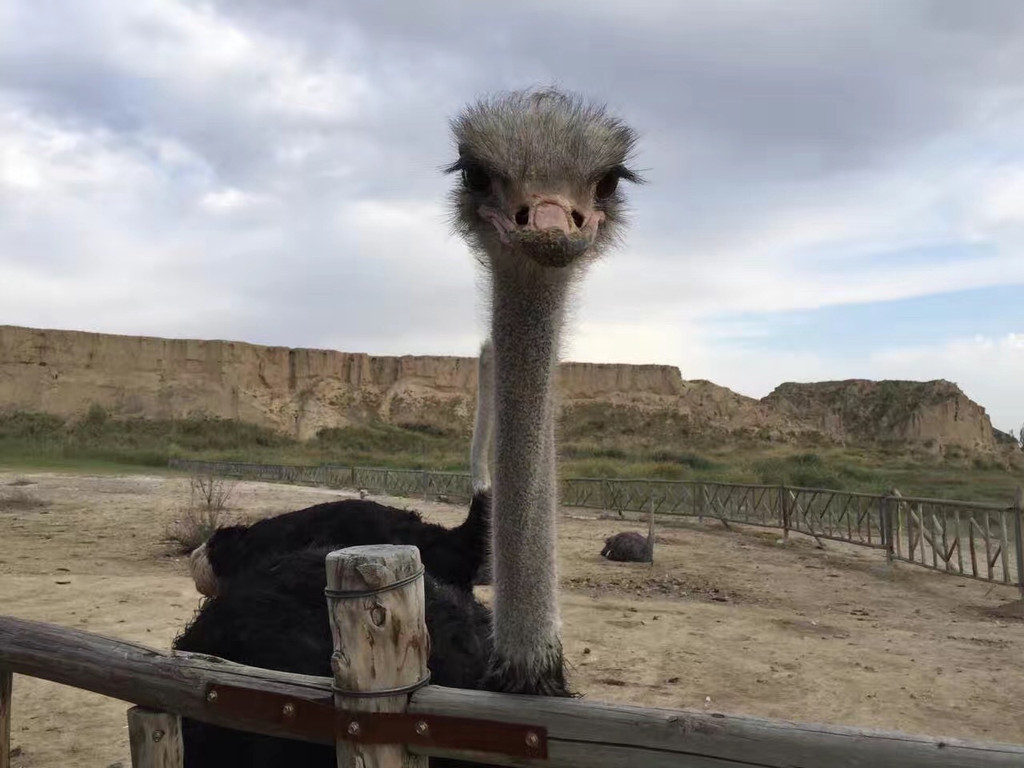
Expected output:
(537, 200)
(456, 556)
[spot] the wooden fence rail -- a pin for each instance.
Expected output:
(573, 733)
(979, 541)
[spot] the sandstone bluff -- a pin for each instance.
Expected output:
(300, 391)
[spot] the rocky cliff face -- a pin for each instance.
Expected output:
(300, 391)
(933, 412)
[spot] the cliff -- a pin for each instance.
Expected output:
(933, 412)
(300, 391)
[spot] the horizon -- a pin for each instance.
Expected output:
(833, 193)
(565, 361)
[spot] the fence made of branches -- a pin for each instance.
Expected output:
(964, 538)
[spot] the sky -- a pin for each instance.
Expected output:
(835, 190)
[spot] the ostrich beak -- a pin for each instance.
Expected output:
(549, 229)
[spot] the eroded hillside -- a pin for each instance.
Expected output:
(301, 391)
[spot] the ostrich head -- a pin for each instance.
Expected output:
(539, 175)
(537, 198)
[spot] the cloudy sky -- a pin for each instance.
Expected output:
(836, 190)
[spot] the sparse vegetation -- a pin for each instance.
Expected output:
(194, 526)
(196, 522)
(596, 441)
(19, 500)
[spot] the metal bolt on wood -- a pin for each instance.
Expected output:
(532, 740)
(211, 697)
(422, 728)
(158, 735)
(288, 710)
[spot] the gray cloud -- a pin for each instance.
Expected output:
(270, 170)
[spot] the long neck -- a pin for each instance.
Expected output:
(528, 315)
(483, 427)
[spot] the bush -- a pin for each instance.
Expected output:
(193, 526)
(208, 498)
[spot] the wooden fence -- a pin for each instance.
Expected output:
(381, 630)
(980, 541)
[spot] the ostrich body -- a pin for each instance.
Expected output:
(273, 615)
(457, 556)
(537, 201)
(451, 555)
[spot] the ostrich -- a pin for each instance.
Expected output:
(452, 556)
(537, 201)
(457, 556)
(627, 547)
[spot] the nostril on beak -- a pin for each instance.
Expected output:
(523, 216)
(577, 218)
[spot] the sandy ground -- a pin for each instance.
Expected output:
(728, 621)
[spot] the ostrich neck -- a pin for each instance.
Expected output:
(528, 313)
(483, 427)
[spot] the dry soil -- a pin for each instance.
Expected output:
(730, 621)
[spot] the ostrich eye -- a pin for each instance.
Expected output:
(606, 186)
(475, 178)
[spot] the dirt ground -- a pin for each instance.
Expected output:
(730, 621)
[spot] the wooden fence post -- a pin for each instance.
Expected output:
(886, 523)
(894, 525)
(784, 506)
(6, 702)
(650, 527)
(378, 622)
(155, 739)
(1018, 524)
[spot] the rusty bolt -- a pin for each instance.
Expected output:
(158, 735)
(422, 729)
(211, 697)
(353, 728)
(532, 740)
(288, 710)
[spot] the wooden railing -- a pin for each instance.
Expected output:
(496, 729)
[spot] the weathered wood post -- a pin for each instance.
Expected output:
(155, 739)
(891, 521)
(885, 508)
(378, 622)
(650, 526)
(6, 702)
(1018, 525)
(784, 506)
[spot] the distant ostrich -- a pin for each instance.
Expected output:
(627, 547)
(457, 556)
(630, 546)
(538, 201)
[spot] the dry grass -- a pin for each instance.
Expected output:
(193, 526)
(196, 522)
(20, 501)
